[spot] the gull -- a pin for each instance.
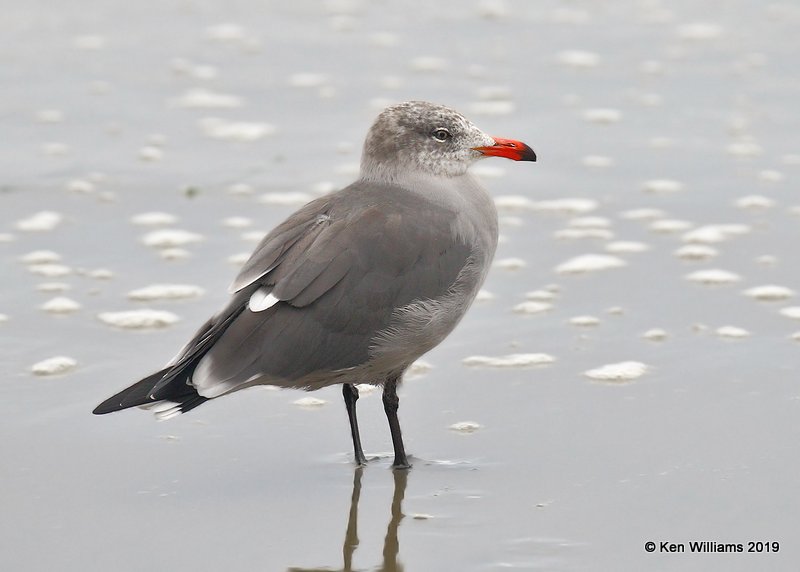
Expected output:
(356, 285)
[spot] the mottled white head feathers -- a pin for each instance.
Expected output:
(421, 137)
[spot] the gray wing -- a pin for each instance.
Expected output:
(339, 269)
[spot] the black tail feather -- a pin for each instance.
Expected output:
(136, 394)
(140, 394)
(173, 383)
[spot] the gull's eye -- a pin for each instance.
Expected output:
(441, 134)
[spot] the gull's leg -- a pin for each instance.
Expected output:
(390, 405)
(350, 397)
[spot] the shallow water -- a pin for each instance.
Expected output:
(561, 471)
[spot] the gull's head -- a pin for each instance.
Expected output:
(422, 137)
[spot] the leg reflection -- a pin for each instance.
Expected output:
(351, 536)
(391, 544)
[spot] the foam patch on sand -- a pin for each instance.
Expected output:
(622, 372)
(511, 360)
(139, 319)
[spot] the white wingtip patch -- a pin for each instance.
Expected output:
(163, 409)
(261, 300)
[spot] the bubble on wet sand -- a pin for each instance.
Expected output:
(699, 31)
(622, 372)
(532, 307)
(151, 153)
(99, 274)
(3, 318)
(245, 131)
(418, 369)
(139, 319)
(465, 427)
(55, 149)
(309, 402)
(566, 205)
(237, 222)
(732, 332)
(590, 263)
(484, 296)
(769, 292)
(384, 39)
(662, 186)
(713, 276)
(226, 32)
(642, 214)
(54, 366)
(511, 360)
(154, 218)
(589, 222)
(53, 287)
(239, 258)
(253, 235)
(170, 238)
(49, 116)
(744, 148)
(626, 247)
(696, 252)
(240, 189)
(579, 59)
(365, 388)
(81, 186)
(655, 335)
(661, 142)
(584, 321)
(40, 222)
(60, 305)
(770, 176)
(510, 263)
(542, 295)
(715, 233)
(669, 226)
(792, 312)
(50, 270)
(40, 257)
(166, 292)
(513, 203)
(493, 9)
(200, 98)
(754, 202)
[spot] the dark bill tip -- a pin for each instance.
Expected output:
(510, 149)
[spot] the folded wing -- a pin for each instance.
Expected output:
(325, 282)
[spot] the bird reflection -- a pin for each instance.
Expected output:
(391, 545)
